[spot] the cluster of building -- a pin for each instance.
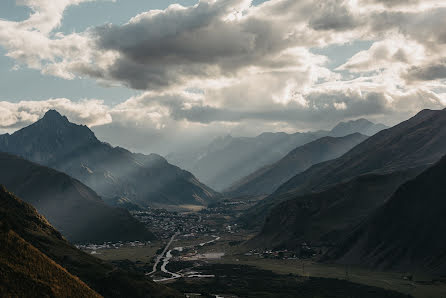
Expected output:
(165, 223)
(111, 245)
(302, 252)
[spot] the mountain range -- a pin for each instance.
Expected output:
(36, 261)
(419, 141)
(73, 208)
(406, 234)
(114, 173)
(227, 160)
(334, 196)
(269, 178)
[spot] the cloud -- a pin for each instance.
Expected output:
(333, 15)
(88, 112)
(209, 40)
(229, 66)
(385, 54)
(433, 71)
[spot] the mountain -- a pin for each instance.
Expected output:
(419, 141)
(114, 173)
(36, 261)
(407, 233)
(415, 143)
(227, 160)
(363, 126)
(269, 178)
(70, 206)
(323, 218)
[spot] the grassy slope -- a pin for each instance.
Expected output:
(25, 272)
(101, 276)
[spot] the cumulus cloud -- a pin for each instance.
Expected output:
(433, 71)
(88, 112)
(227, 65)
(396, 52)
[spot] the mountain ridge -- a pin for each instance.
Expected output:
(417, 142)
(269, 178)
(113, 172)
(322, 218)
(72, 207)
(227, 160)
(361, 125)
(405, 233)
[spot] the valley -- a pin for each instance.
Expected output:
(336, 217)
(198, 251)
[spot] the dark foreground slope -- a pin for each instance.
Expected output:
(70, 206)
(25, 271)
(324, 218)
(407, 233)
(35, 254)
(114, 173)
(416, 143)
(268, 179)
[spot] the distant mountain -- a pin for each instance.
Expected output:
(36, 261)
(324, 218)
(407, 233)
(114, 173)
(363, 126)
(227, 160)
(72, 207)
(269, 178)
(415, 143)
(419, 141)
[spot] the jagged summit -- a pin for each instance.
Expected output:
(53, 114)
(53, 117)
(112, 172)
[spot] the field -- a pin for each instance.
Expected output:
(142, 254)
(421, 287)
(249, 281)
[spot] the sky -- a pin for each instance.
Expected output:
(160, 76)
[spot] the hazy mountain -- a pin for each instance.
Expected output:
(407, 233)
(269, 178)
(112, 172)
(363, 126)
(417, 142)
(324, 218)
(73, 208)
(227, 160)
(36, 260)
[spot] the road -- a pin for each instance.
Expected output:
(166, 255)
(216, 238)
(160, 256)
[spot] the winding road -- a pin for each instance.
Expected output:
(158, 259)
(166, 255)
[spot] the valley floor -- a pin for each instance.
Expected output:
(198, 250)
